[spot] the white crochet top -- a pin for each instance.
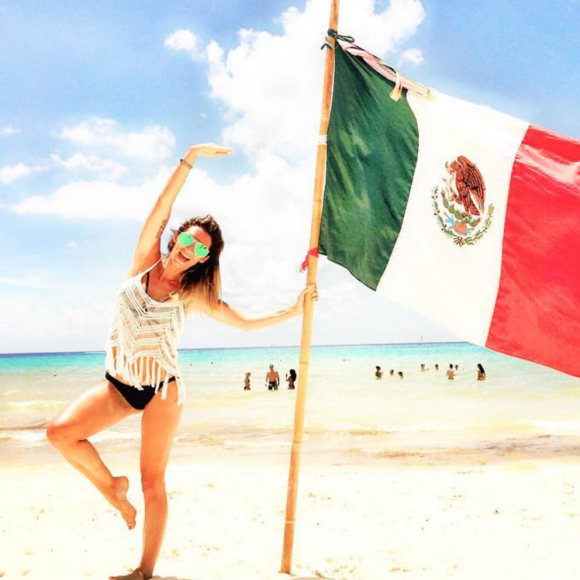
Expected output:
(143, 338)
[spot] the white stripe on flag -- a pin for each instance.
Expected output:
(456, 286)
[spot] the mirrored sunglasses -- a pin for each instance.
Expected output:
(201, 250)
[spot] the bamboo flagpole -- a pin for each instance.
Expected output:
(312, 261)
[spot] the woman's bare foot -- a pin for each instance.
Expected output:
(118, 499)
(135, 575)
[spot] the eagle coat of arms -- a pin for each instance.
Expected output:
(462, 213)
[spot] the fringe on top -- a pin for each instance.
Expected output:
(143, 338)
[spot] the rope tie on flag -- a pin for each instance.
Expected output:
(312, 252)
(396, 93)
(334, 34)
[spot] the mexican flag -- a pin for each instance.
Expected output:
(465, 215)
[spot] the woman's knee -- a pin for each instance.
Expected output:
(59, 433)
(153, 483)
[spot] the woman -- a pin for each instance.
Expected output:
(480, 373)
(451, 373)
(141, 363)
(291, 379)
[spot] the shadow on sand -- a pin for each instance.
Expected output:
(169, 578)
(290, 576)
(317, 577)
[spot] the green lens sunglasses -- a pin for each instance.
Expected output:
(201, 250)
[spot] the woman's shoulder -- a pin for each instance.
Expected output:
(194, 304)
(143, 263)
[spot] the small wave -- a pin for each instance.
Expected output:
(558, 427)
(195, 431)
(116, 436)
(382, 430)
(23, 436)
(200, 439)
(38, 425)
(37, 405)
(542, 447)
(37, 434)
(257, 444)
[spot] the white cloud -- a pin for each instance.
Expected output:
(185, 41)
(36, 282)
(100, 134)
(413, 56)
(96, 200)
(10, 173)
(8, 131)
(79, 162)
(271, 84)
(72, 244)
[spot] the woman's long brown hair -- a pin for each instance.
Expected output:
(202, 282)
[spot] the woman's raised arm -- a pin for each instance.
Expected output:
(148, 249)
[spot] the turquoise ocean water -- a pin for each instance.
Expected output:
(521, 408)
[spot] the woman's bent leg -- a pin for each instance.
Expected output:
(158, 428)
(95, 410)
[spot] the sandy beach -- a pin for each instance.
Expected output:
(507, 516)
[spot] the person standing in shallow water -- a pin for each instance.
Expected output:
(378, 373)
(291, 379)
(142, 374)
(247, 382)
(480, 373)
(451, 373)
(272, 379)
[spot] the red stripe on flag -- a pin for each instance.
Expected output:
(537, 311)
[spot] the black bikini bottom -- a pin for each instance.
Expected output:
(136, 398)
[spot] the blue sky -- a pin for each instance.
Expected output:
(97, 106)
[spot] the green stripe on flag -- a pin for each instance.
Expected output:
(373, 144)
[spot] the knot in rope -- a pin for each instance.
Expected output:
(334, 34)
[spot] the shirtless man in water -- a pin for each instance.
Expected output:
(272, 379)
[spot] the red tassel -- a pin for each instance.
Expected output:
(312, 252)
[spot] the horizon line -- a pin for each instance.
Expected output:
(57, 352)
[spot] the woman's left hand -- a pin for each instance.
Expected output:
(206, 150)
(309, 290)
